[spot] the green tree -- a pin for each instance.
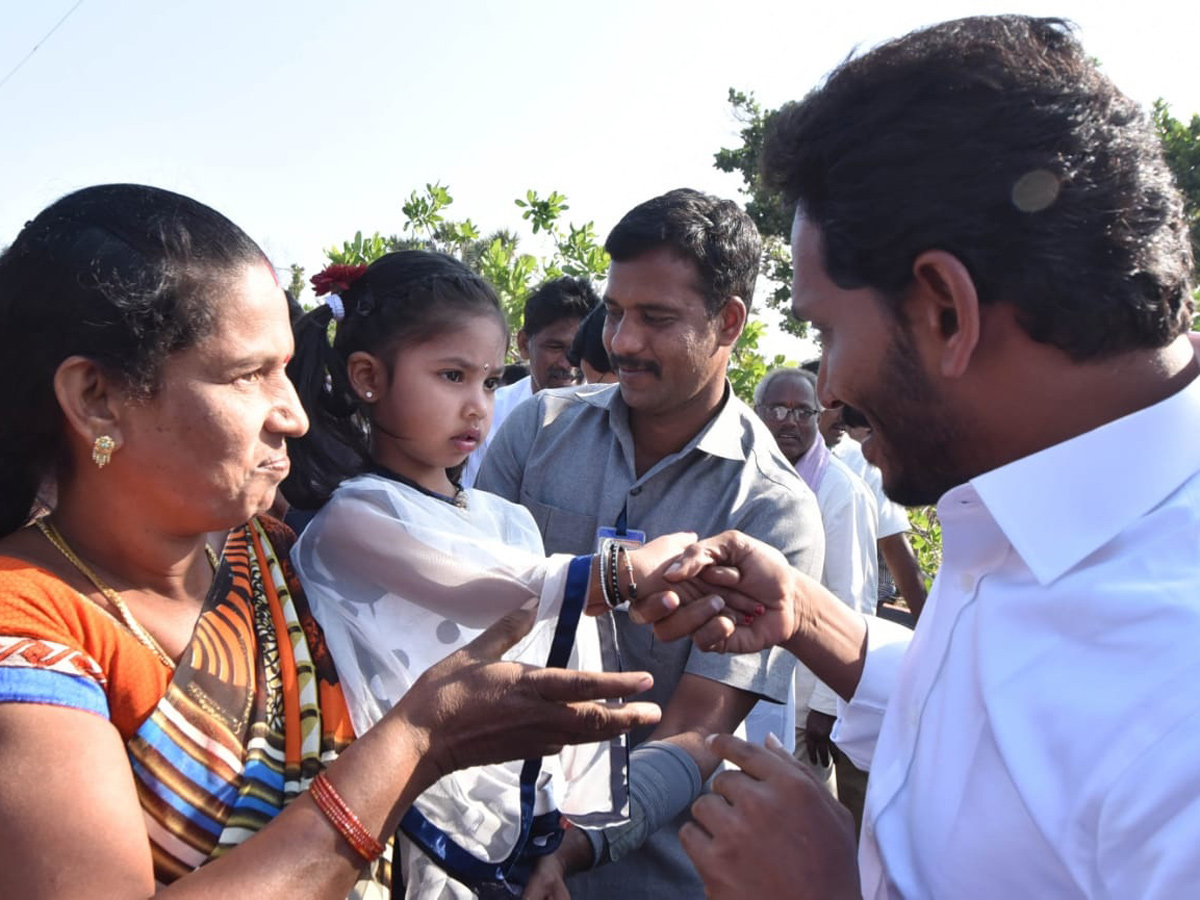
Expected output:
(1181, 147)
(764, 206)
(497, 256)
(297, 284)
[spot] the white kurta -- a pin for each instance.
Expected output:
(893, 519)
(1040, 736)
(399, 580)
(851, 571)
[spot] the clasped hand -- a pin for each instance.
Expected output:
(728, 592)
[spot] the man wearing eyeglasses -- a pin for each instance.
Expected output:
(786, 400)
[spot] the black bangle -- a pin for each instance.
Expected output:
(621, 548)
(615, 600)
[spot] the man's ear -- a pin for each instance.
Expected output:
(942, 308)
(731, 319)
(523, 344)
(368, 376)
(90, 400)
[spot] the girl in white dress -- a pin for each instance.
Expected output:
(401, 565)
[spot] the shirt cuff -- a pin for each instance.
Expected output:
(859, 720)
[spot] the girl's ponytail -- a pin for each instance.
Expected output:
(335, 447)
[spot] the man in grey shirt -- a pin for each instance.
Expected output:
(668, 449)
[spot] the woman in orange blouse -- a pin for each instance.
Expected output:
(169, 718)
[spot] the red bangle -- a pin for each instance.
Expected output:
(330, 802)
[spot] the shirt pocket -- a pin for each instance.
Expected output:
(563, 530)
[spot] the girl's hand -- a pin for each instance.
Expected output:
(651, 562)
(709, 593)
(764, 596)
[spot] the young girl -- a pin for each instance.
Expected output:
(402, 565)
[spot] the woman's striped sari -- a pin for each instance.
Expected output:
(252, 713)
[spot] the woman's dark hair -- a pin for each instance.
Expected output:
(588, 343)
(122, 274)
(998, 140)
(402, 299)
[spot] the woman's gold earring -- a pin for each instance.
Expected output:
(102, 450)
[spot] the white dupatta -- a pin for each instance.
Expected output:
(399, 579)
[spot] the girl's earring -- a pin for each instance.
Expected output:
(369, 395)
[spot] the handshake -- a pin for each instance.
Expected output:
(730, 593)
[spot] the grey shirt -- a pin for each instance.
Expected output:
(567, 456)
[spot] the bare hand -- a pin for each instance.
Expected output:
(770, 830)
(657, 592)
(547, 881)
(818, 737)
(649, 562)
(734, 565)
(476, 709)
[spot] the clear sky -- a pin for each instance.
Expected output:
(305, 121)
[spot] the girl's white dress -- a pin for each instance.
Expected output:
(399, 579)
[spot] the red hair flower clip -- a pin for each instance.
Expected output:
(336, 278)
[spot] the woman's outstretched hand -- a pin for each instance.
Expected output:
(476, 709)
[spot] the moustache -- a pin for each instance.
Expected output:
(630, 362)
(561, 374)
(852, 418)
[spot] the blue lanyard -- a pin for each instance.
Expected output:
(497, 879)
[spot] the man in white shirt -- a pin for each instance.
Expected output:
(993, 252)
(551, 317)
(786, 401)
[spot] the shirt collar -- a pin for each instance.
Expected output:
(721, 437)
(1060, 505)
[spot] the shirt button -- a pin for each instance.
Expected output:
(966, 581)
(635, 491)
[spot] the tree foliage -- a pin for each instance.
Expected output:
(1181, 147)
(764, 206)
(297, 283)
(497, 256)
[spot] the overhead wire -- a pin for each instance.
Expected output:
(46, 37)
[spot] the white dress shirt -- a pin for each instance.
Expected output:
(1040, 737)
(507, 399)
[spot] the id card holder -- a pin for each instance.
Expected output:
(630, 537)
